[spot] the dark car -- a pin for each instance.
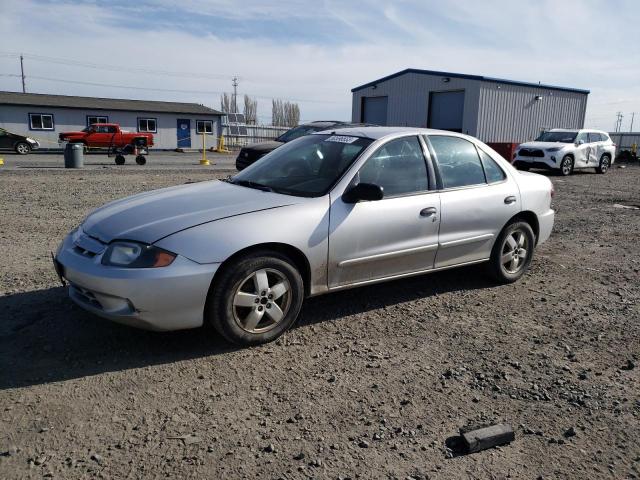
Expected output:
(21, 144)
(252, 153)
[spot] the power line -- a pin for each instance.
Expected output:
(169, 90)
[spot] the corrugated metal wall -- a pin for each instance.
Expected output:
(624, 140)
(493, 112)
(409, 99)
(511, 113)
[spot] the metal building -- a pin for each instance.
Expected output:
(173, 124)
(491, 109)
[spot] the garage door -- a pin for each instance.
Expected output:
(445, 110)
(374, 110)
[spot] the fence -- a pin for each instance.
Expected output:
(255, 134)
(625, 140)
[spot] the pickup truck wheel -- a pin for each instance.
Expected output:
(22, 148)
(566, 166)
(141, 160)
(605, 161)
(119, 159)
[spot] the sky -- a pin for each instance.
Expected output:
(315, 52)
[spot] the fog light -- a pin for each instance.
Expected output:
(553, 158)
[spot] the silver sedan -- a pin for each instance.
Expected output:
(328, 211)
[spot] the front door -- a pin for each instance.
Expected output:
(582, 151)
(184, 133)
(392, 236)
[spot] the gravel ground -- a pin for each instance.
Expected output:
(369, 384)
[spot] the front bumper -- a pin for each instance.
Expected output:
(165, 298)
(34, 144)
(550, 161)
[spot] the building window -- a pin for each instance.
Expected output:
(91, 119)
(204, 126)
(41, 121)
(147, 125)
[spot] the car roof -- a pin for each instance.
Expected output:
(376, 133)
(576, 130)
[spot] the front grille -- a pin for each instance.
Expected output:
(529, 152)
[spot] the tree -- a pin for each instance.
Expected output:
(250, 110)
(225, 102)
(284, 114)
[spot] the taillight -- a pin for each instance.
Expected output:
(553, 190)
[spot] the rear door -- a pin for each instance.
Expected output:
(595, 142)
(477, 200)
(392, 236)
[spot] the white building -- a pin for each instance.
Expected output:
(173, 124)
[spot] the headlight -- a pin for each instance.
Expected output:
(554, 149)
(31, 140)
(136, 255)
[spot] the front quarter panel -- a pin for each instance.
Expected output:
(303, 226)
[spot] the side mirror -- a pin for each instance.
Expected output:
(367, 192)
(579, 142)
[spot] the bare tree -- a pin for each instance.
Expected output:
(225, 102)
(250, 110)
(284, 114)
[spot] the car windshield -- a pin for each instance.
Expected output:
(306, 167)
(562, 137)
(299, 131)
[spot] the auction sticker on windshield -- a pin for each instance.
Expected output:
(341, 139)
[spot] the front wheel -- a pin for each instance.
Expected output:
(512, 252)
(23, 148)
(605, 162)
(566, 166)
(119, 159)
(141, 160)
(256, 299)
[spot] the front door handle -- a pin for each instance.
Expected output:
(510, 199)
(427, 212)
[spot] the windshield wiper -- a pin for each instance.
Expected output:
(250, 184)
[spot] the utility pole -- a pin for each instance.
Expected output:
(24, 90)
(619, 121)
(235, 94)
(633, 114)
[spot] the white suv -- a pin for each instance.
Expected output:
(566, 150)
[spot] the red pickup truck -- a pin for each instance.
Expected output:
(108, 135)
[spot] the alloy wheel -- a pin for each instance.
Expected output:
(23, 149)
(514, 251)
(604, 164)
(566, 166)
(261, 300)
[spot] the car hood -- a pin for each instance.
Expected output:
(150, 216)
(263, 147)
(544, 145)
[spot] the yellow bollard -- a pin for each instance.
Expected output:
(204, 160)
(1, 161)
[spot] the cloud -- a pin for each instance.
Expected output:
(316, 51)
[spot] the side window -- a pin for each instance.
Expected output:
(492, 170)
(398, 167)
(605, 137)
(594, 137)
(582, 136)
(111, 129)
(457, 160)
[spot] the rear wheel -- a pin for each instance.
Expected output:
(566, 166)
(512, 252)
(256, 299)
(120, 159)
(605, 163)
(22, 148)
(141, 160)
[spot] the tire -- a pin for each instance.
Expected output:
(120, 159)
(141, 160)
(605, 163)
(243, 313)
(22, 148)
(566, 166)
(508, 262)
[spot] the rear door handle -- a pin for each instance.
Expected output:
(427, 212)
(510, 199)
